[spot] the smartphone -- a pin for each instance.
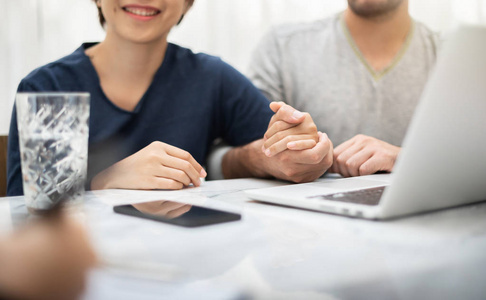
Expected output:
(177, 213)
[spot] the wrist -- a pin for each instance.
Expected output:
(245, 161)
(102, 180)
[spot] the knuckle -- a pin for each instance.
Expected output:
(186, 165)
(319, 155)
(328, 161)
(289, 172)
(280, 135)
(299, 180)
(182, 177)
(186, 155)
(369, 140)
(340, 160)
(156, 144)
(175, 185)
(288, 139)
(375, 150)
(315, 157)
(279, 125)
(282, 112)
(154, 155)
(312, 127)
(389, 155)
(287, 108)
(361, 137)
(363, 170)
(327, 144)
(272, 149)
(285, 158)
(350, 164)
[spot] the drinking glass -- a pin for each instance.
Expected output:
(53, 137)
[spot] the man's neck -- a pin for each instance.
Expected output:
(379, 38)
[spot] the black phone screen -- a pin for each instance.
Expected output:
(176, 213)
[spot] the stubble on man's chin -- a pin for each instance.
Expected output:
(372, 9)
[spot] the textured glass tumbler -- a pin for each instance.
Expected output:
(53, 137)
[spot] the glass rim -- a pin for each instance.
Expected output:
(45, 94)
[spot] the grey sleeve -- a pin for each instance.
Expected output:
(265, 68)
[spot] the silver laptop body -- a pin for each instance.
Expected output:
(443, 160)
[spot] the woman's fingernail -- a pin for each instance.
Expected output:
(291, 144)
(268, 153)
(203, 173)
(297, 114)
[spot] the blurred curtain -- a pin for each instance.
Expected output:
(35, 32)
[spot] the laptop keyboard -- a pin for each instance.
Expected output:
(370, 196)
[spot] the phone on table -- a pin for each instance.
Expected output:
(176, 213)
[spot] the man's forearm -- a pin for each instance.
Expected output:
(245, 161)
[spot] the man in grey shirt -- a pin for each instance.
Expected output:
(359, 74)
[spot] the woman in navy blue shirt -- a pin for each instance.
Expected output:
(156, 108)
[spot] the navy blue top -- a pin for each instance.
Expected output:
(192, 100)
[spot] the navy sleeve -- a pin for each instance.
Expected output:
(245, 112)
(14, 172)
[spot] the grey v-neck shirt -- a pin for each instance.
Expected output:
(317, 68)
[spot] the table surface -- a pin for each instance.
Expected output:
(276, 252)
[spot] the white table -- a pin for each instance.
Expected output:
(277, 252)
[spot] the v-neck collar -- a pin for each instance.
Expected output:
(377, 75)
(159, 72)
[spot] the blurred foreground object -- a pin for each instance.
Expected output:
(46, 259)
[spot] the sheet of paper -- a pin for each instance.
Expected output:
(208, 189)
(213, 189)
(5, 216)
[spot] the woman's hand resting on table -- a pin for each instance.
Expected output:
(157, 166)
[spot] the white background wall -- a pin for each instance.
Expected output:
(35, 32)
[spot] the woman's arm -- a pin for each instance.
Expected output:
(157, 166)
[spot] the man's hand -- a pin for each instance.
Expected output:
(289, 129)
(364, 155)
(304, 165)
(157, 166)
(296, 166)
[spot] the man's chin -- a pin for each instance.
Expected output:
(373, 8)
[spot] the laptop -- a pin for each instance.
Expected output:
(443, 159)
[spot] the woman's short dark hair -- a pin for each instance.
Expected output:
(100, 14)
(103, 21)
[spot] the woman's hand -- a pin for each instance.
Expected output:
(289, 129)
(157, 166)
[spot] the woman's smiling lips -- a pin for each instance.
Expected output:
(140, 12)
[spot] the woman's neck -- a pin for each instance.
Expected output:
(125, 59)
(126, 69)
